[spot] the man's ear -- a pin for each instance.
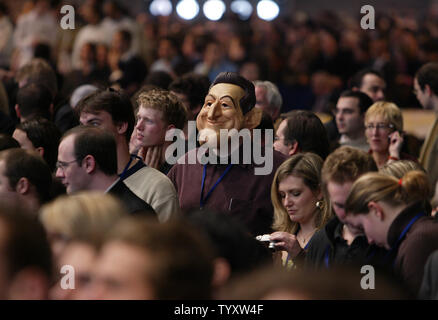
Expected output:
(122, 127)
(294, 149)
(89, 164)
(40, 151)
(253, 118)
(170, 126)
(23, 186)
(221, 272)
(376, 209)
(17, 111)
(427, 90)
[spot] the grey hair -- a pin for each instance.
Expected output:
(273, 95)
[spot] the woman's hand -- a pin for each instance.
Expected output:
(395, 144)
(286, 241)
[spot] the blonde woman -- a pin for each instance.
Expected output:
(299, 205)
(391, 212)
(384, 133)
(82, 216)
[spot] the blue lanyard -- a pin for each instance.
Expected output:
(203, 200)
(402, 235)
(125, 171)
(326, 257)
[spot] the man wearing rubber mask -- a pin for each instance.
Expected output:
(210, 176)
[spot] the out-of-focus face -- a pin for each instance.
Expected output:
(86, 53)
(81, 257)
(250, 71)
(22, 139)
(377, 131)
(421, 95)
(4, 277)
(348, 118)
(119, 44)
(280, 144)
(213, 53)
(374, 228)
(297, 198)
(261, 98)
(150, 127)
(338, 194)
(69, 171)
(7, 194)
(263, 103)
(373, 86)
(166, 49)
(121, 273)
(221, 109)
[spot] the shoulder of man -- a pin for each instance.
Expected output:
(157, 190)
(132, 202)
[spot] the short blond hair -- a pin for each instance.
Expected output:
(82, 216)
(173, 110)
(390, 112)
(399, 168)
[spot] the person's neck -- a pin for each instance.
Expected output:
(380, 158)
(31, 202)
(307, 229)
(123, 156)
(354, 136)
(163, 152)
(102, 182)
(434, 103)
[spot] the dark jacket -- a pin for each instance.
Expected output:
(429, 286)
(134, 204)
(413, 249)
(329, 248)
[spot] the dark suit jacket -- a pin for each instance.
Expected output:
(429, 287)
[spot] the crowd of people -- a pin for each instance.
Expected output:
(92, 120)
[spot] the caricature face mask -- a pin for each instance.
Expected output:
(222, 110)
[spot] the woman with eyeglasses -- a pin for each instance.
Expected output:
(384, 133)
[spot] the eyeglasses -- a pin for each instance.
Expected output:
(64, 164)
(379, 126)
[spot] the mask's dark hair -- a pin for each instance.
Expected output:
(249, 99)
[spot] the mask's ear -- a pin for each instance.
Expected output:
(253, 118)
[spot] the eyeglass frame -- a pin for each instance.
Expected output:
(379, 126)
(64, 164)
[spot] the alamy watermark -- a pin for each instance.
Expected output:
(68, 20)
(368, 20)
(368, 281)
(68, 280)
(234, 146)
